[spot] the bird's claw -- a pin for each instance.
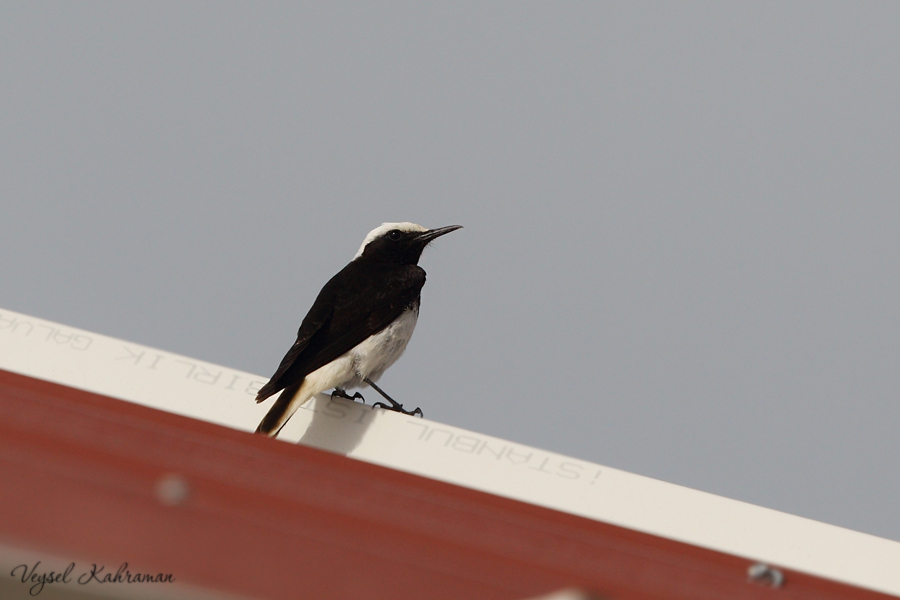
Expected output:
(395, 406)
(339, 393)
(399, 408)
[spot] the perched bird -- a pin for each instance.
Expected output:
(358, 326)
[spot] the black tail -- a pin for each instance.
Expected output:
(271, 423)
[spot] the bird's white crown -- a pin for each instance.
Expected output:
(383, 229)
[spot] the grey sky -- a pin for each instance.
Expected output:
(680, 254)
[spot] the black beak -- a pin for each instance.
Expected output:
(431, 234)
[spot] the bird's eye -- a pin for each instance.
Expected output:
(395, 235)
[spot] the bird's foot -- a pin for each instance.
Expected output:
(396, 407)
(339, 393)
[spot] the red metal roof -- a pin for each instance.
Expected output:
(87, 476)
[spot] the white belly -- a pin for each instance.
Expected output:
(368, 360)
(373, 356)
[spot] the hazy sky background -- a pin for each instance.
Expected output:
(682, 220)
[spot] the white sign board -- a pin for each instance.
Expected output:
(209, 392)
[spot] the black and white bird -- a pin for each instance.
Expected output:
(358, 326)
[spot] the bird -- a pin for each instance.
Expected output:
(358, 326)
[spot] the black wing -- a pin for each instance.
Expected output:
(317, 316)
(344, 314)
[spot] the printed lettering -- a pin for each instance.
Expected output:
(417, 424)
(191, 367)
(234, 379)
(449, 435)
(496, 452)
(204, 375)
(334, 409)
(131, 355)
(7, 322)
(61, 338)
(465, 443)
(569, 470)
(518, 458)
(541, 467)
(81, 342)
(13, 324)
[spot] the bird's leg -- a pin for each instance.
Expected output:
(339, 393)
(395, 406)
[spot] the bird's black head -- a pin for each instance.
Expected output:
(400, 243)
